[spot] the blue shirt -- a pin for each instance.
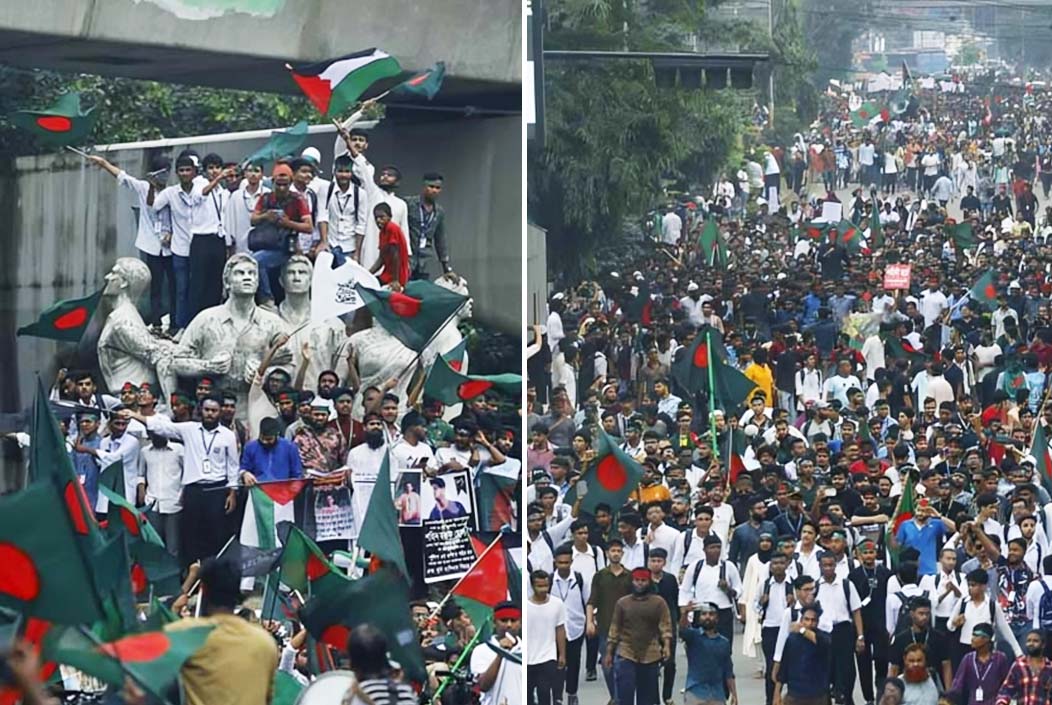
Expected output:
(86, 466)
(709, 664)
(805, 666)
(282, 462)
(925, 539)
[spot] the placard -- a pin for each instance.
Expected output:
(408, 499)
(448, 517)
(333, 514)
(832, 211)
(897, 276)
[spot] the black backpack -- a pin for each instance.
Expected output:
(723, 575)
(767, 593)
(580, 587)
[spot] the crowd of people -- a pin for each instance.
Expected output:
(230, 256)
(873, 515)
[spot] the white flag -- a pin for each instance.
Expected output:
(332, 290)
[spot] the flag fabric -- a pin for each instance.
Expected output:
(859, 326)
(334, 86)
(333, 292)
(64, 123)
(65, 321)
(451, 387)
(456, 357)
(152, 659)
(256, 562)
(112, 477)
(901, 349)
(962, 234)
(41, 567)
(713, 245)
(286, 689)
(153, 566)
(130, 518)
(33, 632)
(415, 314)
(866, 112)
(847, 236)
(613, 476)
(1039, 449)
(816, 230)
(903, 511)
(379, 533)
(159, 615)
(691, 371)
(380, 599)
(269, 504)
(282, 143)
(303, 563)
(492, 579)
(497, 486)
(426, 83)
(984, 291)
(637, 309)
(736, 464)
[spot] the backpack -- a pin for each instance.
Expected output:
(723, 575)
(1044, 607)
(902, 619)
(966, 599)
(580, 587)
(356, 184)
(767, 593)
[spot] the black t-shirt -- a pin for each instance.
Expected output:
(871, 583)
(785, 369)
(936, 647)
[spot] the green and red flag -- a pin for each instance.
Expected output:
(903, 511)
(334, 86)
(492, 579)
(41, 566)
(713, 245)
(692, 371)
(637, 309)
(736, 446)
(902, 349)
(847, 236)
(865, 113)
(1042, 457)
(124, 514)
(380, 599)
(303, 563)
(984, 291)
(612, 477)
(816, 230)
(962, 234)
(451, 387)
(66, 320)
(426, 83)
(269, 504)
(62, 124)
(497, 492)
(415, 314)
(282, 144)
(379, 533)
(456, 357)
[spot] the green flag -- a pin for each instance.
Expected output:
(637, 309)
(42, 572)
(426, 83)
(130, 518)
(303, 563)
(962, 234)
(415, 314)
(903, 512)
(112, 477)
(451, 387)
(612, 477)
(497, 485)
(379, 533)
(984, 291)
(848, 236)
(1039, 449)
(713, 245)
(865, 113)
(282, 143)
(66, 320)
(901, 349)
(286, 688)
(380, 599)
(692, 372)
(492, 579)
(64, 123)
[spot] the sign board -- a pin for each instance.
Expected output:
(832, 212)
(897, 276)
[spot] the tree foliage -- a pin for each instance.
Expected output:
(831, 27)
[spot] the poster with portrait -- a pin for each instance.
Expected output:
(334, 514)
(407, 498)
(448, 518)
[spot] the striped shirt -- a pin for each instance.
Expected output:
(378, 692)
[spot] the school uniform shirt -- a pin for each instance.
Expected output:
(779, 598)
(348, 213)
(181, 205)
(588, 562)
(683, 555)
(209, 456)
(978, 614)
(543, 619)
(809, 562)
(162, 471)
(148, 231)
(891, 607)
(208, 212)
(942, 598)
(634, 555)
(706, 587)
(542, 548)
(237, 214)
(126, 450)
(836, 606)
(574, 597)
(662, 537)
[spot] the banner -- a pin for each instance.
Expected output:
(448, 514)
(332, 290)
(897, 276)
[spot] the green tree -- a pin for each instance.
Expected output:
(968, 54)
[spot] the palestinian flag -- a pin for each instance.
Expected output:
(379, 533)
(901, 349)
(415, 314)
(451, 387)
(613, 476)
(903, 512)
(637, 309)
(492, 579)
(984, 291)
(962, 234)
(334, 86)
(65, 320)
(152, 659)
(133, 520)
(64, 123)
(713, 245)
(867, 113)
(282, 143)
(426, 83)
(692, 372)
(380, 599)
(1039, 449)
(303, 564)
(41, 567)
(269, 504)
(497, 485)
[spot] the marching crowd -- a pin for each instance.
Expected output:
(873, 507)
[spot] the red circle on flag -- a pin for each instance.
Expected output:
(404, 306)
(138, 648)
(71, 319)
(611, 474)
(131, 522)
(138, 579)
(316, 567)
(55, 123)
(990, 291)
(456, 365)
(701, 356)
(18, 577)
(75, 507)
(472, 388)
(336, 636)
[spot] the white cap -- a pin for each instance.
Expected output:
(311, 153)
(692, 286)
(558, 297)
(638, 276)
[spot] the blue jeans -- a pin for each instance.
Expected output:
(269, 260)
(181, 267)
(637, 683)
(608, 673)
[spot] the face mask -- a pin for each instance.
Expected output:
(1035, 650)
(916, 674)
(375, 439)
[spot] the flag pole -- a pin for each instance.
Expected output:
(432, 338)
(712, 392)
(436, 698)
(482, 555)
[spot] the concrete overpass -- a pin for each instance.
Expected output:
(244, 44)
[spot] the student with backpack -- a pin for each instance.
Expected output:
(944, 588)
(936, 643)
(871, 581)
(1039, 600)
(570, 587)
(774, 600)
(974, 608)
(842, 619)
(717, 581)
(896, 609)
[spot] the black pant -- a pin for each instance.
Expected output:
(203, 523)
(207, 257)
(768, 640)
(591, 653)
(161, 271)
(842, 671)
(874, 660)
(541, 681)
(573, 665)
(725, 624)
(668, 675)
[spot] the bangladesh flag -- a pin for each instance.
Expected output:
(64, 123)
(816, 230)
(691, 371)
(451, 387)
(984, 291)
(415, 314)
(286, 689)
(380, 599)
(334, 86)
(865, 114)
(269, 504)
(1039, 449)
(492, 579)
(379, 533)
(736, 455)
(901, 349)
(112, 477)
(497, 491)
(613, 476)
(962, 234)
(282, 143)
(903, 511)
(152, 565)
(158, 616)
(456, 357)
(713, 245)
(637, 309)
(133, 520)
(426, 83)
(152, 659)
(303, 563)
(847, 236)
(65, 320)
(41, 567)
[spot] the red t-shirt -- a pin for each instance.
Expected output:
(295, 207)
(392, 235)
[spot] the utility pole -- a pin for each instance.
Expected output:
(770, 72)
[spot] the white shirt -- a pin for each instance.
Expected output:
(574, 597)
(162, 471)
(208, 211)
(777, 601)
(147, 234)
(1034, 593)
(808, 385)
(555, 331)
(344, 222)
(837, 386)
(693, 310)
(932, 305)
(866, 153)
(588, 563)
(706, 587)
(671, 227)
(942, 598)
(365, 462)
(508, 685)
(979, 614)
(662, 537)
(633, 556)
(405, 456)
(209, 456)
(835, 608)
(678, 560)
(893, 604)
(126, 450)
(543, 619)
(237, 214)
(181, 205)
